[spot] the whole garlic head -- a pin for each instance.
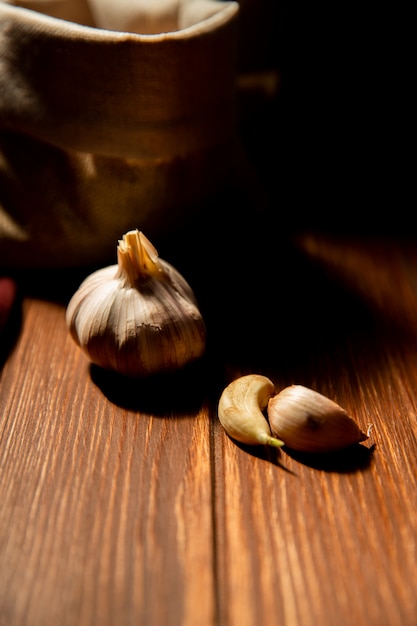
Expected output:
(139, 317)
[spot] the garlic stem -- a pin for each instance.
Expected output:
(137, 257)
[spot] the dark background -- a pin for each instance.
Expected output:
(334, 147)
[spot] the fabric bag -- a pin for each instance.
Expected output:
(114, 115)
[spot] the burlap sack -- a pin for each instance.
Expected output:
(114, 115)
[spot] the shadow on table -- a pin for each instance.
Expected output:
(176, 394)
(353, 459)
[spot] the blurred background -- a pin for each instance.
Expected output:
(333, 145)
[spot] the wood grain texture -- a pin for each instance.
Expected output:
(103, 509)
(125, 505)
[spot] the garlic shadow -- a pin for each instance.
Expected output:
(268, 454)
(355, 458)
(177, 394)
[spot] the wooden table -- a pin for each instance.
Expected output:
(127, 504)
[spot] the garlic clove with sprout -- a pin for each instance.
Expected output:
(310, 422)
(240, 410)
(139, 317)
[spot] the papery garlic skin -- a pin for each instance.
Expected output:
(310, 422)
(240, 410)
(139, 317)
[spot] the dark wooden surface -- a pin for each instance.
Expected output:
(127, 504)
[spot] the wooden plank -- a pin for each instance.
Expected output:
(307, 541)
(125, 505)
(106, 511)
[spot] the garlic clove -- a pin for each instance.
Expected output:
(240, 410)
(138, 317)
(310, 422)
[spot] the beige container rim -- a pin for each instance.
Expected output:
(68, 29)
(140, 96)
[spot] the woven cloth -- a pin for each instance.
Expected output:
(114, 114)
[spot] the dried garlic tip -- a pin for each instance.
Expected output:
(310, 422)
(240, 410)
(138, 317)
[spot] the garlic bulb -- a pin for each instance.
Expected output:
(310, 422)
(240, 410)
(138, 317)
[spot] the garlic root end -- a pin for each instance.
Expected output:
(274, 442)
